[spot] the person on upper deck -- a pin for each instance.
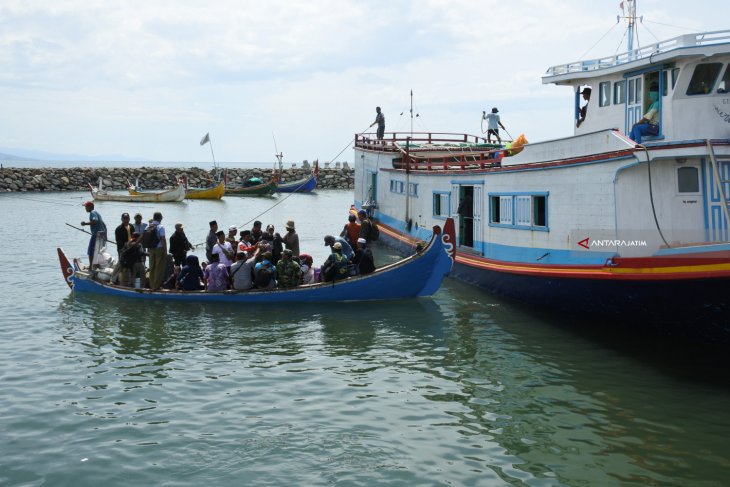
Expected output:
(649, 123)
(584, 109)
(493, 124)
(380, 120)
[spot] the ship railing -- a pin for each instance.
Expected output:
(393, 140)
(688, 40)
(450, 162)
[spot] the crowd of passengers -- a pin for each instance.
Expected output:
(254, 258)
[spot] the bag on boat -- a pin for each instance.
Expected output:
(150, 239)
(263, 277)
(374, 231)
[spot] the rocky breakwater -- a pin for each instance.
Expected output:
(79, 178)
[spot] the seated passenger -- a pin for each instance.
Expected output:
(288, 271)
(191, 275)
(242, 270)
(335, 267)
(307, 269)
(216, 275)
(265, 272)
(649, 123)
(363, 260)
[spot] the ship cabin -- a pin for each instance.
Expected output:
(691, 73)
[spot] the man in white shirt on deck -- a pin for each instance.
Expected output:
(223, 249)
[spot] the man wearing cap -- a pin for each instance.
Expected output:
(97, 227)
(363, 259)
(179, 245)
(288, 272)
(211, 239)
(158, 254)
(345, 249)
(493, 124)
(291, 239)
(123, 233)
(231, 237)
(335, 267)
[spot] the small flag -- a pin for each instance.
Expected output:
(205, 139)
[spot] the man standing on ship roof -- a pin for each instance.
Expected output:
(380, 120)
(493, 124)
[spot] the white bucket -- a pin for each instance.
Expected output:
(137, 282)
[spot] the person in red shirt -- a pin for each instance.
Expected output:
(351, 231)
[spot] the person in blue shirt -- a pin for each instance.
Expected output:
(330, 241)
(97, 228)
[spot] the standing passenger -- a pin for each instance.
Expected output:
(211, 239)
(158, 253)
(351, 231)
(179, 245)
(123, 233)
(223, 249)
(291, 239)
(97, 228)
(380, 120)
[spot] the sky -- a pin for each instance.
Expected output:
(148, 79)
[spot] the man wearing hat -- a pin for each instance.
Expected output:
(231, 237)
(123, 233)
(211, 239)
(291, 239)
(179, 245)
(345, 248)
(335, 267)
(97, 227)
(288, 272)
(493, 124)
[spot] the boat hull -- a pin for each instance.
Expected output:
(418, 275)
(214, 193)
(302, 186)
(176, 194)
(265, 189)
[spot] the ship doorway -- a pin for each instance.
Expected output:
(466, 216)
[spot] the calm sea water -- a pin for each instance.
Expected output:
(460, 389)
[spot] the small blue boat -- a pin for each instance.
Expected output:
(306, 185)
(417, 275)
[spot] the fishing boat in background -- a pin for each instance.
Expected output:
(175, 194)
(254, 187)
(417, 275)
(305, 185)
(594, 221)
(213, 192)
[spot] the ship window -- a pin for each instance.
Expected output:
(413, 189)
(703, 79)
(539, 211)
(604, 92)
(724, 85)
(441, 205)
(665, 78)
(632, 90)
(675, 77)
(494, 207)
(688, 180)
(619, 92)
(519, 211)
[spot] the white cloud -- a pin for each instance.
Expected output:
(149, 78)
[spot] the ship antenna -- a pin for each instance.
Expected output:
(630, 15)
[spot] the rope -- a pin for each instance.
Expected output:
(599, 40)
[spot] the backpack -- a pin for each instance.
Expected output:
(263, 277)
(150, 239)
(374, 231)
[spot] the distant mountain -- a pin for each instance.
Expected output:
(15, 154)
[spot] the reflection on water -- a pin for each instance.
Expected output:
(461, 389)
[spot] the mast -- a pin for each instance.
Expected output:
(630, 15)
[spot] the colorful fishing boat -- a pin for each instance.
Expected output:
(175, 194)
(417, 275)
(254, 187)
(305, 185)
(595, 221)
(213, 192)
